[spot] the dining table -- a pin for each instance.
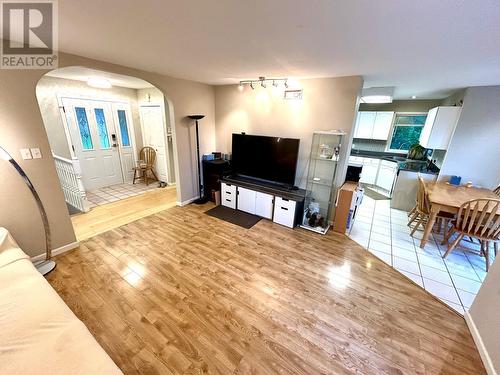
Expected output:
(446, 197)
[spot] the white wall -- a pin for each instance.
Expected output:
(485, 316)
(474, 151)
(328, 103)
(49, 87)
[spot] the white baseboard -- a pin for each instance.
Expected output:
(483, 352)
(57, 251)
(186, 202)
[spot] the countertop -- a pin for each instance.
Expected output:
(404, 164)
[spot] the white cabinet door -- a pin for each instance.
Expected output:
(246, 200)
(439, 127)
(264, 205)
(284, 212)
(385, 178)
(364, 126)
(228, 197)
(382, 125)
(369, 172)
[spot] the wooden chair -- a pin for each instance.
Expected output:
(147, 157)
(497, 190)
(477, 218)
(422, 210)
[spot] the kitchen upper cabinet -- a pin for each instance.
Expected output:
(439, 127)
(364, 125)
(373, 125)
(382, 125)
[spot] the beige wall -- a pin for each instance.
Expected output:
(474, 151)
(49, 88)
(21, 126)
(485, 315)
(402, 106)
(328, 103)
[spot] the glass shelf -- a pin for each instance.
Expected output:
(321, 180)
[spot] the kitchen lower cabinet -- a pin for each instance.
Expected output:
(405, 189)
(386, 174)
(370, 170)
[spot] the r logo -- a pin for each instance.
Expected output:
(27, 27)
(29, 33)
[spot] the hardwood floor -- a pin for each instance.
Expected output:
(103, 218)
(180, 292)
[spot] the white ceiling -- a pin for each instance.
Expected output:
(422, 47)
(83, 74)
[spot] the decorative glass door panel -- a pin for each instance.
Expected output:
(92, 131)
(102, 128)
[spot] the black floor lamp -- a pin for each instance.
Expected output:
(202, 199)
(47, 265)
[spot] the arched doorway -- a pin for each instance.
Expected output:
(97, 122)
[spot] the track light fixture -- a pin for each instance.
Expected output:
(263, 82)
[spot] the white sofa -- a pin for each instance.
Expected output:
(39, 334)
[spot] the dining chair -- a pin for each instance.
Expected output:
(477, 218)
(147, 157)
(497, 190)
(422, 211)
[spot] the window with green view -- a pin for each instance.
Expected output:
(406, 132)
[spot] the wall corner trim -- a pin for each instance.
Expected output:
(483, 352)
(59, 250)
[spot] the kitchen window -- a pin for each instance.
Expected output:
(406, 131)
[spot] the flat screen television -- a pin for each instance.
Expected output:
(271, 159)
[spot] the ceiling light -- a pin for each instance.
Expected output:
(275, 84)
(286, 84)
(377, 95)
(414, 97)
(263, 84)
(98, 82)
(251, 85)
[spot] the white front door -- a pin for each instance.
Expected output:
(153, 134)
(95, 141)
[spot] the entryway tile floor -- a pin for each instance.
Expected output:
(113, 193)
(384, 232)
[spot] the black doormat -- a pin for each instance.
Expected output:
(234, 216)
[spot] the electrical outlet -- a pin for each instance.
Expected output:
(36, 153)
(26, 154)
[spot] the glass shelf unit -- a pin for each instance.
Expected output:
(325, 151)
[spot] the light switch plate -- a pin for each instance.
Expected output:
(26, 153)
(36, 153)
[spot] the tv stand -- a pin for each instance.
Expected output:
(281, 204)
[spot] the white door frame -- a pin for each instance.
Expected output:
(123, 103)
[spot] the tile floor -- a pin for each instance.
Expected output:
(383, 231)
(114, 193)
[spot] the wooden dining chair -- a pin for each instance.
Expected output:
(477, 218)
(147, 157)
(422, 211)
(497, 190)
